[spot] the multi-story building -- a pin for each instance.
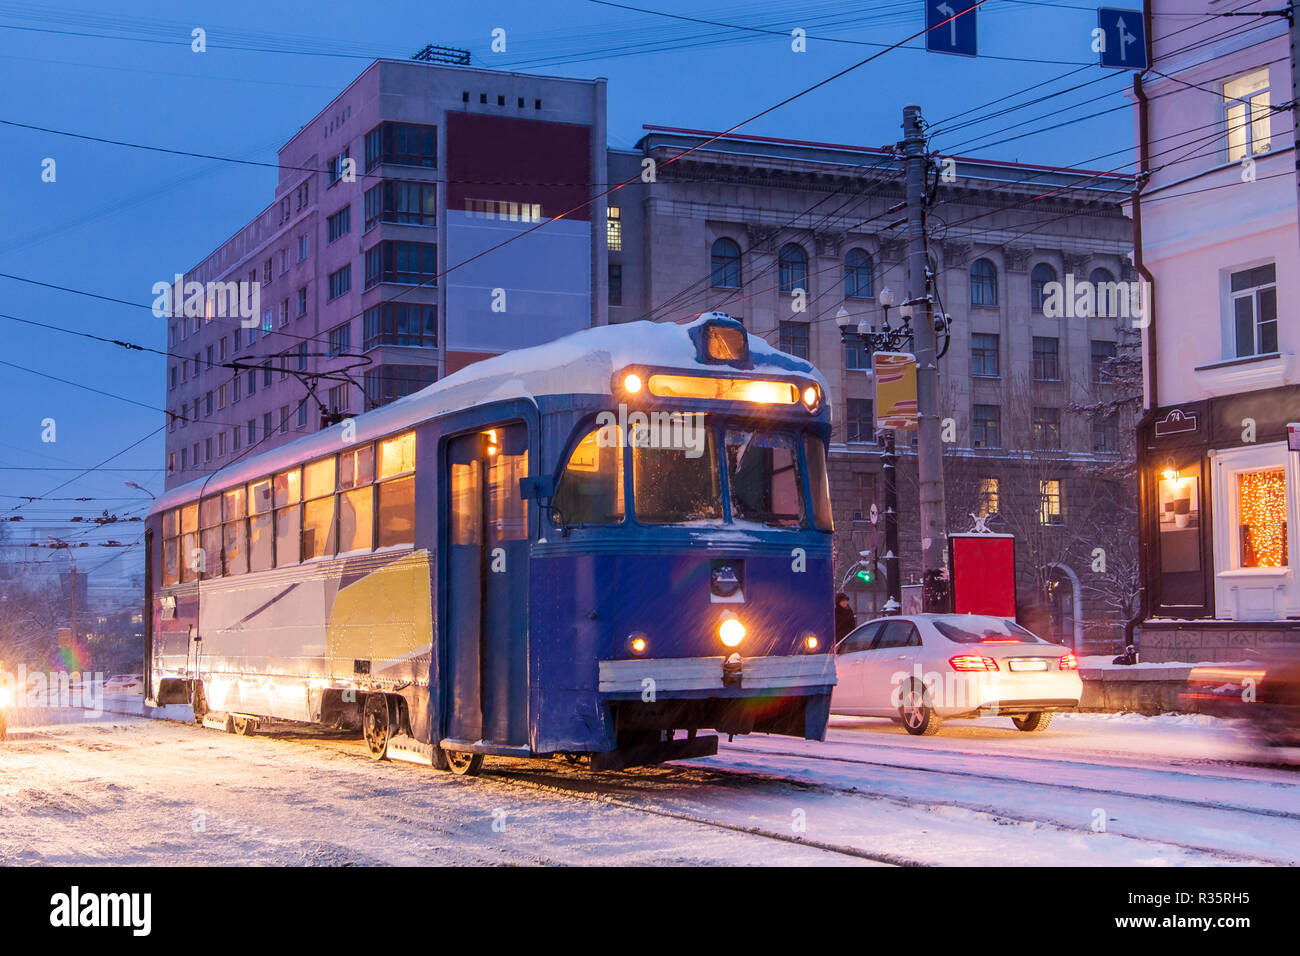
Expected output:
(414, 170)
(1220, 245)
(784, 235)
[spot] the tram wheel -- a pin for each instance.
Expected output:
(464, 764)
(244, 726)
(377, 725)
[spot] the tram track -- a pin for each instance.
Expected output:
(1077, 788)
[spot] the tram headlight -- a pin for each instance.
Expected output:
(812, 397)
(637, 643)
(731, 632)
(810, 642)
(6, 696)
(632, 384)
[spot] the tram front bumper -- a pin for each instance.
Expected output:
(712, 676)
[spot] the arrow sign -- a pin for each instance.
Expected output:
(1122, 39)
(957, 36)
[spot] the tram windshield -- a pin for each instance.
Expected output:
(677, 477)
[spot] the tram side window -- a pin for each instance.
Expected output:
(261, 542)
(189, 542)
(356, 499)
(318, 539)
(171, 546)
(210, 536)
(396, 495)
(590, 491)
(234, 511)
(763, 469)
(674, 485)
(818, 483)
(507, 511)
(288, 518)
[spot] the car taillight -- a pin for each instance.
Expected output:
(1068, 662)
(972, 662)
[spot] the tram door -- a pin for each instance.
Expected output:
(487, 590)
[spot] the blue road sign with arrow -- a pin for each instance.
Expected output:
(957, 35)
(1122, 42)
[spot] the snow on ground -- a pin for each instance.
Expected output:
(128, 790)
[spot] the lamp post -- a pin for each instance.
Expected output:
(132, 484)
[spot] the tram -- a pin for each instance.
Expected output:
(599, 547)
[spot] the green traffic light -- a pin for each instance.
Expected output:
(864, 576)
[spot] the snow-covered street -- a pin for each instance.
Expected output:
(1094, 789)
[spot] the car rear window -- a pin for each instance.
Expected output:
(990, 630)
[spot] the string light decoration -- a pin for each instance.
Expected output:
(1261, 510)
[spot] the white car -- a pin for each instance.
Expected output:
(925, 668)
(124, 684)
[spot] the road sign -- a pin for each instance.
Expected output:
(957, 36)
(875, 514)
(1122, 39)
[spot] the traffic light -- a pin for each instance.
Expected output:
(865, 575)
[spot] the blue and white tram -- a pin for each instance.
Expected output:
(600, 546)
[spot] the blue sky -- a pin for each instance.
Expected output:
(117, 219)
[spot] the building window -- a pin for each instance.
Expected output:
(284, 261)
(984, 354)
(171, 378)
(391, 382)
(221, 397)
(338, 398)
(1254, 310)
(793, 267)
(302, 357)
(403, 144)
(340, 339)
(856, 353)
(336, 166)
(284, 418)
(412, 204)
(615, 283)
(250, 382)
(266, 272)
(1261, 519)
(614, 228)
(412, 263)
(1247, 115)
(859, 420)
(221, 444)
(339, 224)
(504, 210)
(1047, 358)
(207, 448)
(725, 264)
(302, 302)
(207, 404)
(251, 428)
(284, 312)
(1051, 501)
(302, 414)
(171, 462)
(304, 246)
(266, 373)
(267, 425)
(1102, 353)
(184, 462)
(1105, 434)
(983, 283)
(1047, 427)
(794, 338)
(1038, 280)
(988, 501)
(235, 439)
(857, 275)
(401, 323)
(340, 281)
(986, 427)
(234, 388)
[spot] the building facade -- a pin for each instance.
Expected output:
(1218, 222)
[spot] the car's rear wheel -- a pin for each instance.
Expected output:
(919, 718)
(1033, 723)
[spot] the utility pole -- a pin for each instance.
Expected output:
(929, 450)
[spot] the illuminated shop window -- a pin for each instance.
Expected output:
(1261, 518)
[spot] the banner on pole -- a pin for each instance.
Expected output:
(895, 377)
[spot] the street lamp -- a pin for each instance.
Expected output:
(132, 484)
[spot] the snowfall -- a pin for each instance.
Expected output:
(1094, 789)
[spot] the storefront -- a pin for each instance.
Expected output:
(1218, 505)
